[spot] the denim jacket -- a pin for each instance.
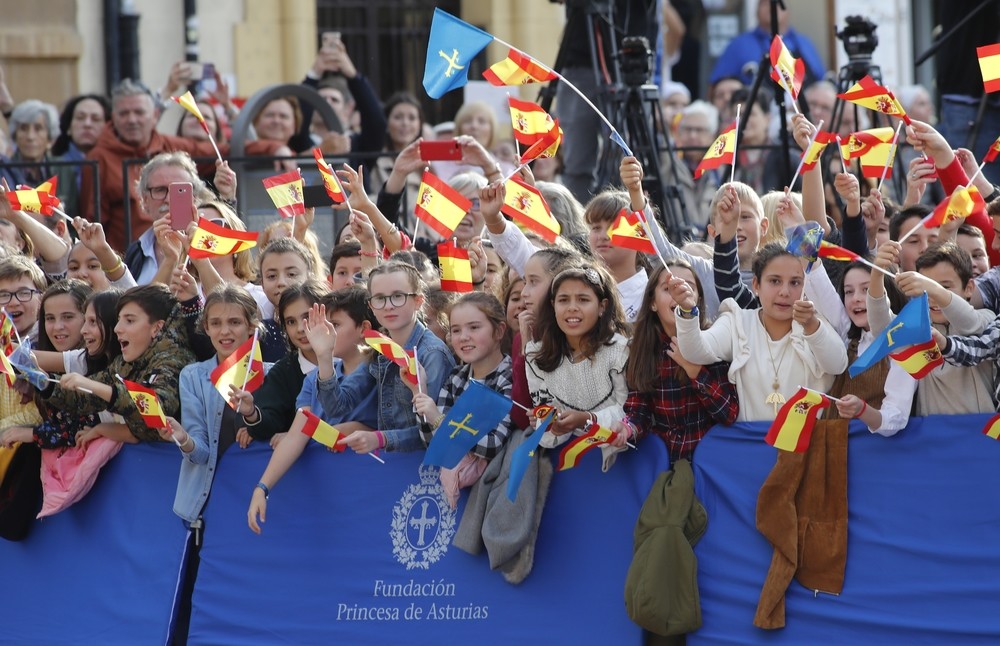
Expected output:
(394, 400)
(201, 416)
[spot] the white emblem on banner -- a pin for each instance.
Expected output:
(423, 523)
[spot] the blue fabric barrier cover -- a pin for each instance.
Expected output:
(104, 570)
(324, 569)
(922, 560)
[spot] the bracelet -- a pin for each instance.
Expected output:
(478, 283)
(183, 447)
(438, 421)
(368, 254)
(115, 268)
(263, 487)
(864, 406)
(381, 439)
(687, 314)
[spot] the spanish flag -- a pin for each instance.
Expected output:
(49, 186)
(793, 426)
(330, 180)
(187, 102)
(147, 402)
(7, 334)
(440, 206)
(992, 153)
(628, 232)
(233, 370)
(529, 121)
(873, 147)
(545, 146)
(320, 431)
(595, 436)
(989, 65)
(816, 148)
(210, 239)
(869, 94)
(722, 151)
(919, 360)
(456, 270)
(786, 70)
(836, 252)
(285, 190)
(956, 206)
(32, 201)
(528, 208)
(992, 428)
(394, 353)
(518, 69)
(7, 369)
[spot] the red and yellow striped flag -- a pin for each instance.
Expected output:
(528, 208)
(786, 70)
(394, 353)
(992, 428)
(529, 121)
(49, 186)
(989, 65)
(210, 239)
(320, 431)
(187, 102)
(7, 334)
(628, 232)
(330, 180)
(836, 252)
(32, 201)
(147, 402)
(957, 205)
(440, 206)
(518, 69)
(873, 147)
(722, 151)
(595, 436)
(816, 148)
(869, 94)
(7, 369)
(233, 370)
(793, 426)
(919, 360)
(545, 146)
(456, 270)
(286, 191)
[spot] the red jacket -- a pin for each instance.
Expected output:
(109, 152)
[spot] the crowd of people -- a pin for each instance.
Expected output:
(655, 347)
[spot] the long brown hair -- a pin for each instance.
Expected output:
(642, 373)
(555, 347)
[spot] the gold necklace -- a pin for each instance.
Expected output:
(775, 398)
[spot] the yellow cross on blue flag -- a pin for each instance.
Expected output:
(475, 413)
(451, 47)
(911, 326)
(523, 454)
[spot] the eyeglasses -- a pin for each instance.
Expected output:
(23, 295)
(157, 192)
(378, 302)
(219, 222)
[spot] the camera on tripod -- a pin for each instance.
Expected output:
(859, 38)
(636, 59)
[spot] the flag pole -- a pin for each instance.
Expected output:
(69, 220)
(736, 141)
(253, 346)
(892, 153)
(12, 326)
(840, 153)
(647, 227)
(915, 227)
(973, 178)
(212, 139)
(805, 153)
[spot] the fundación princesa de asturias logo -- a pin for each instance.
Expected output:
(423, 523)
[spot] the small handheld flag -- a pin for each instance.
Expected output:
(545, 146)
(869, 94)
(919, 360)
(518, 69)
(595, 436)
(722, 151)
(7, 369)
(529, 121)
(452, 45)
(393, 352)
(320, 431)
(188, 102)
(786, 70)
(792, 428)
(210, 239)
(476, 412)
(526, 450)
(956, 206)
(244, 368)
(527, 207)
(836, 252)
(456, 270)
(629, 233)
(911, 326)
(804, 240)
(330, 180)
(286, 191)
(32, 201)
(989, 65)
(147, 402)
(440, 206)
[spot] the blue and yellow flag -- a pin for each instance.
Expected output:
(476, 412)
(451, 47)
(911, 326)
(523, 453)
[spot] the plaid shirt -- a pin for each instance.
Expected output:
(682, 413)
(499, 380)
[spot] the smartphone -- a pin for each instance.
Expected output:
(181, 200)
(314, 196)
(202, 71)
(447, 150)
(329, 39)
